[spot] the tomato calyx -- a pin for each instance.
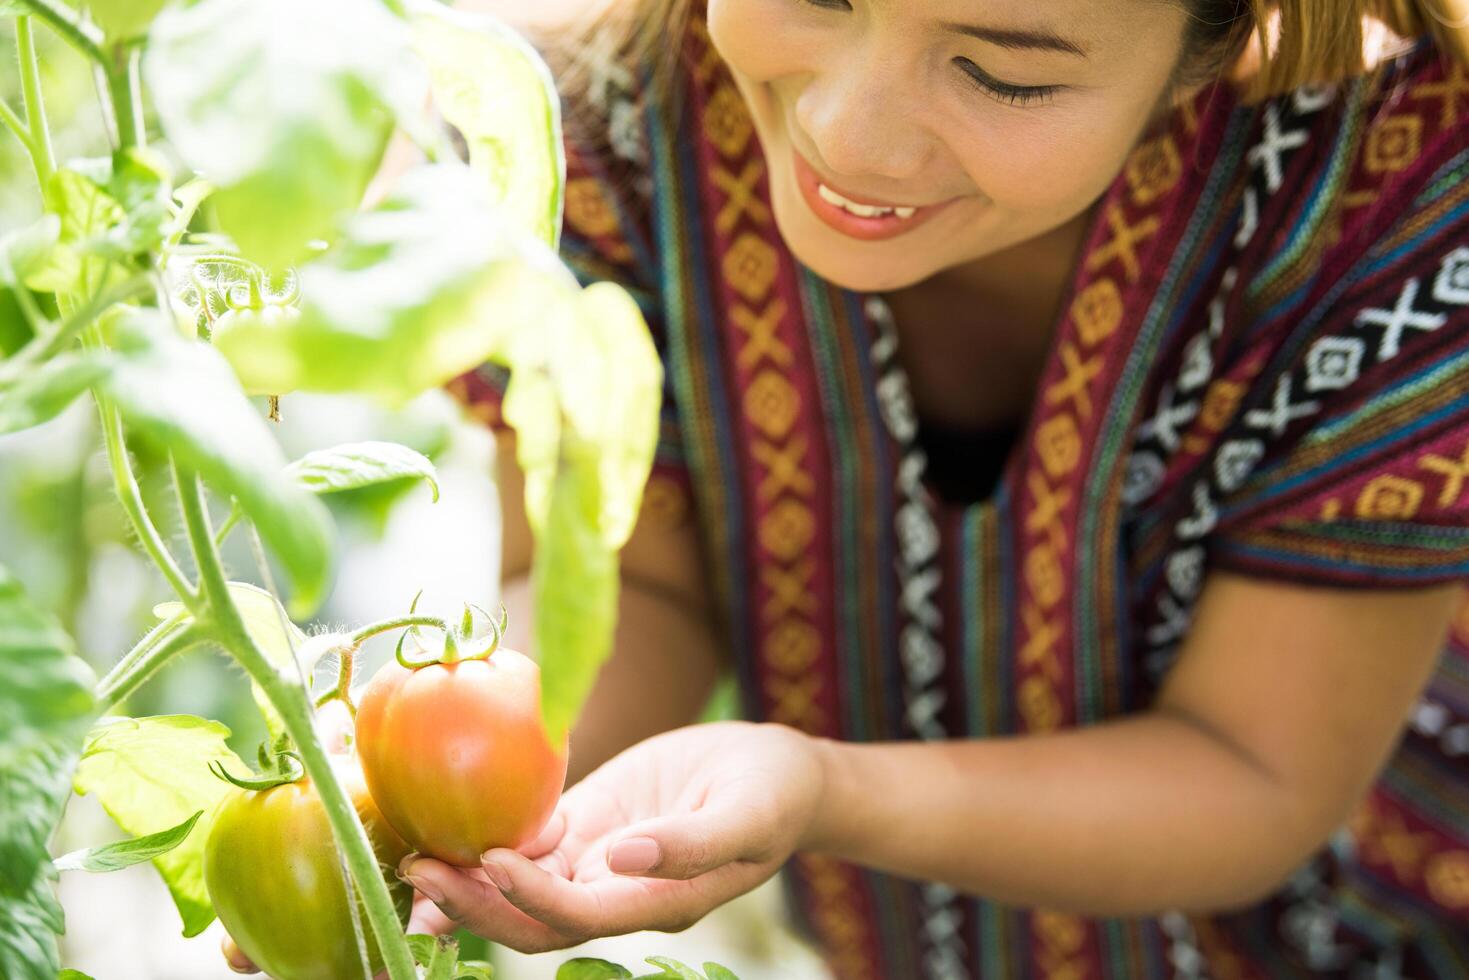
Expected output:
(278, 766)
(460, 642)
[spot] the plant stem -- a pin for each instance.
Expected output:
(291, 702)
(229, 524)
(143, 661)
(44, 346)
(128, 492)
(126, 95)
(68, 23)
(16, 125)
(388, 625)
(42, 156)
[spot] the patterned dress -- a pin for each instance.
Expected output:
(1262, 365)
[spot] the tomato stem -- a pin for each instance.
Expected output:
(160, 645)
(388, 625)
(227, 627)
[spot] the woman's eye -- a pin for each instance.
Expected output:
(828, 4)
(1004, 91)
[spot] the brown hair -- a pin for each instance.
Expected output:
(1267, 46)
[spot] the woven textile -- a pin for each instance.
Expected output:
(1262, 365)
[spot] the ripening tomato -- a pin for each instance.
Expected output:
(272, 871)
(457, 755)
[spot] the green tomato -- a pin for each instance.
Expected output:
(122, 20)
(273, 874)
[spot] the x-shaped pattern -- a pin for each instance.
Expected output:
(789, 589)
(1282, 411)
(1270, 152)
(1447, 92)
(1074, 385)
(1123, 243)
(1453, 473)
(1040, 649)
(1049, 505)
(1164, 426)
(760, 328)
(1402, 316)
(742, 197)
(783, 468)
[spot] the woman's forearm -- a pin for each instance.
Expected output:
(1133, 817)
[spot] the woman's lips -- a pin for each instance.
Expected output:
(855, 225)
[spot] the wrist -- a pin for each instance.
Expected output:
(821, 832)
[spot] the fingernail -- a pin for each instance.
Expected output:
(428, 888)
(633, 854)
(497, 873)
(406, 864)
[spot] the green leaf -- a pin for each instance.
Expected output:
(474, 970)
(420, 289)
(591, 968)
(586, 422)
(288, 122)
(154, 771)
(273, 632)
(494, 88)
(360, 464)
(126, 853)
(439, 954)
(122, 20)
(673, 968)
(72, 975)
(179, 395)
(716, 972)
(88, 215)
(34, 254)
(46, 705)
(42, 394)
(142, 186)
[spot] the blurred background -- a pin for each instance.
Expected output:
(62, 533)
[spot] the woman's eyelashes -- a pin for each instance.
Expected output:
(1004, 91)
(991, 86)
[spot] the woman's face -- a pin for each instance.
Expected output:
(974, 124)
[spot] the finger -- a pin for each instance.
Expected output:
(571, 909)
(236, 959)
(690, 844)
(470, 900)
(548, 838)
(427, 919)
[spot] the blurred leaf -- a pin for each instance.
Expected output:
(420, 289)
(360, 464)
(151, 771)
(46, 705)
(35, 253)
(123, 19)
(42, 394)
(72, 975)
(15, 330)
(583, 400)
(285, 107)
(591, 968)
(673, 968)
(142, 186)
(180, 395)
(88, 213)
(494, 88)
(272, 631)
(126, 853)
(474, 970)
(716, 972)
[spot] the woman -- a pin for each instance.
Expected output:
(1065, 443)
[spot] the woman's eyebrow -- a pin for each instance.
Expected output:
(1013, 38)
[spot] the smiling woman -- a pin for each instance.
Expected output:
(1064, 444)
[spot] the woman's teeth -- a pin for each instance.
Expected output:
(861, 210)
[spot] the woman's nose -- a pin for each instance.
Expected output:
(864, 126)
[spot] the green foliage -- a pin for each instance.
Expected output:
(286, 107)
(495, 89)
(180, 395)
(152, 772)
(361, 464)
(126, 853)
(45, 706)
(121, 20)
(590, 968)
(44, 393)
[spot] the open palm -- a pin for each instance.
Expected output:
(654, 839)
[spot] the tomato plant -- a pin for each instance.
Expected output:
(455, 750)
(223, 247)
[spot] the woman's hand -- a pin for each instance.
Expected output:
(657, 837)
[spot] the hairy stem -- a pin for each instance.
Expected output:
(388, 625)
(141, 663)
(290, 701)
(42, 156)
(68, 23)
(16, 125)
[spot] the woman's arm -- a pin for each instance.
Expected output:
(1283, 706)
(665, 658)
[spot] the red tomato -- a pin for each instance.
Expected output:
(457, 757)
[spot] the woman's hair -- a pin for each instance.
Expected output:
(1267, 46)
